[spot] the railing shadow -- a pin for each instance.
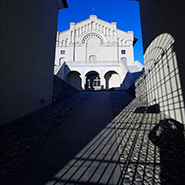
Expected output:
(134, 148)
(97, 163)
(151, 109)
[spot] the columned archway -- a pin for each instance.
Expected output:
(73, 78)
(112, 79)
(93, 81)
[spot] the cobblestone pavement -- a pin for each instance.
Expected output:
(151, 151)
(20, 140)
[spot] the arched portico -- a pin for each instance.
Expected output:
(112, 79)
(108, 74)
(74, 78)
(93, 80)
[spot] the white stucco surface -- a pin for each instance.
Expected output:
(95, 47)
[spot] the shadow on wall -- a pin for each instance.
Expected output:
(73, 78)
(169, 137)
(151, 109)
(160, 84)
(162, 77)
(128, 81)
(136, 75)
(138, 89)
(62, 90)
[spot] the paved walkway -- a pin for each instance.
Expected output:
(82, 151)
(131, 146)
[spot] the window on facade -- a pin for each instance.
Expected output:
(123, 51)
(124, 60)
(93, 58)
(62, 52)
(96, 82)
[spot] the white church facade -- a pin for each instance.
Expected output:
(94, 54)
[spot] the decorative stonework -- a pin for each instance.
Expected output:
(86, 37)
(92, 49)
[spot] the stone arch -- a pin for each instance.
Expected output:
(92, 81)
(90, 35)
(112, 80)
(93, 48)
(74, 79)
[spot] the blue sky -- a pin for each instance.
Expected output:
(124, 12)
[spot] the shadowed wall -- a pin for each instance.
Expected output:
(28, 34)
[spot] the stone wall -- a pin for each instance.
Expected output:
(62, 90)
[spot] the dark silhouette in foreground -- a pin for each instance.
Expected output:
(169, 137)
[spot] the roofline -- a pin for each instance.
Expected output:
(135, 40)
(61, 4)
(96, 19)
(65, 4)
(122, 30)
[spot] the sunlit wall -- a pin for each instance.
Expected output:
(162, 24)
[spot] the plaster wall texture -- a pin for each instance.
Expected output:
(28, 34)
(96, 45)
(162, 23)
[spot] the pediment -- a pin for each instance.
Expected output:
(93, 27)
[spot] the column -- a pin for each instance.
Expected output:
(83, 81)
(102, 82)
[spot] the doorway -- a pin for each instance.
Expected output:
(93, 81)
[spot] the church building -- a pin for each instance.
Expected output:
(94, 54)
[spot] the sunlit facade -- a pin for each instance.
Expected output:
(94, 54)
